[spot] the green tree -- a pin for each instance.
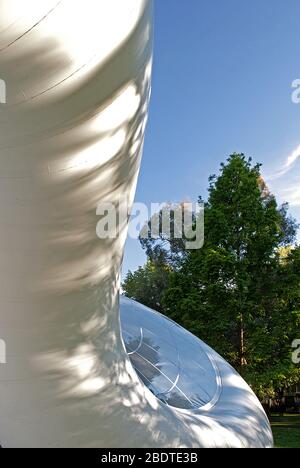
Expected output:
(166, 248)
(165, 254)
(240, 293)
(147, 284)
(237, 293)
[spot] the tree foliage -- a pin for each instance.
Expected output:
(241, 292)
(148, 284)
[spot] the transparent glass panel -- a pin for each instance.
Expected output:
(169, 360)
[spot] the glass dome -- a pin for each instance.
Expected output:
(170, 361)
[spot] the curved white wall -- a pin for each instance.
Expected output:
(71, 134)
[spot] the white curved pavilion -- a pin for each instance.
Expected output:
(77, 81)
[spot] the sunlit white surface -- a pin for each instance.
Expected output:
(71, 136)
(74, 44)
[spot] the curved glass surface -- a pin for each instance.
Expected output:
(169, 360)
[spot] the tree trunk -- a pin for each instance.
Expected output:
(243, 361)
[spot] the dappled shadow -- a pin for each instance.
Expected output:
(71, 137)
(62, 153)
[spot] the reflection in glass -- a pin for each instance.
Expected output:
(169, 360)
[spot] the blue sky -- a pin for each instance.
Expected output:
(222, 82)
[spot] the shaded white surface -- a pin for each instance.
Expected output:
(71, 134)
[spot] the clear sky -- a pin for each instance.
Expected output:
(222, 83)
